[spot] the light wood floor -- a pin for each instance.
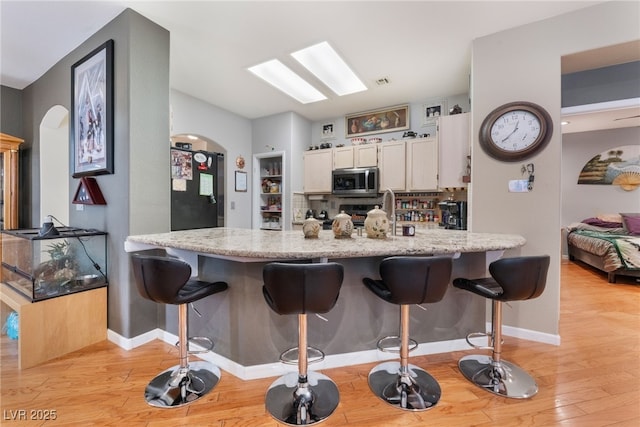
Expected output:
(591, 379)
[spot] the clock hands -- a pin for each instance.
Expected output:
(514, 131)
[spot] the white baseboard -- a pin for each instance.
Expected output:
(331, 361)
(528, 334)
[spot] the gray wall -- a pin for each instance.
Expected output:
(524, 63)
(230, 131)
(604, 84)
(141, 124)
(288, 132)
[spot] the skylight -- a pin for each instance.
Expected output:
(330, 68)
(281, 77)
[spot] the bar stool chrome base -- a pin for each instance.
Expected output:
(413, 390)
(294, 402)
(178, 386)
(502, 378)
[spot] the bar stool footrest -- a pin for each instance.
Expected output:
(391, 344)
(205, 344)
(473, 335)
(291, 356)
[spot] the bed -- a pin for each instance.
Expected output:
(607, 244)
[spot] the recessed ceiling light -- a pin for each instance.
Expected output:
(281, 77)
(330, 68)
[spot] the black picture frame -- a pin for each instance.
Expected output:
(92, 112)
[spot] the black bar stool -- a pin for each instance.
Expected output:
(512, 279)
(406, 281)
(300, 398)
(167, 281)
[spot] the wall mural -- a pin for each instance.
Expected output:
(618, 166)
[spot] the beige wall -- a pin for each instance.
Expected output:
(524, 64)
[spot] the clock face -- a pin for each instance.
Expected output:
(515, 131)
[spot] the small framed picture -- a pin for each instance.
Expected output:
(431, 112)
(328, 131)
(241, 181)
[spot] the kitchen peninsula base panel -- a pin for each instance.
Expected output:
(248, 333)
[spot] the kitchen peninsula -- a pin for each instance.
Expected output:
(249, 337)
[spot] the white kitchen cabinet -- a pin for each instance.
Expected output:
(391, 165)
(365, 156)
(422, 164)
(356, 156)
(318, 165)
(343, 157)
(454, 139)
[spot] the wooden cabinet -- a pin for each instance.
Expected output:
(422, 164)
(343, 157)
(9, 146)
(317, 171)
(409, 165)
(391, 165)
(357, 156)
(454, 136)
(365, 156)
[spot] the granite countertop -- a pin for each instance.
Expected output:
(237, 242)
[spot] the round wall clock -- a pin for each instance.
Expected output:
(515, 131)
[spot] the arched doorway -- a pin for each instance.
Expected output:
(54, 164)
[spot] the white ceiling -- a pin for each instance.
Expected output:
(422, 47)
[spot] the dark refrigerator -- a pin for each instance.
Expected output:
(197, 189)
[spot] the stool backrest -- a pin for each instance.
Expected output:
(416, 280)
(160, 278)
(521, 278)
(302, 288)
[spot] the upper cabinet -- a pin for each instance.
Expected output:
(422, 164)
(365, 156)
(317, 171)
(9, 146)
(356, 156)
(391, 164)
(455, 137)
(343, 157)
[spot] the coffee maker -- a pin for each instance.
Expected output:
(454, 215)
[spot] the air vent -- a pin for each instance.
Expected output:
(382, 81)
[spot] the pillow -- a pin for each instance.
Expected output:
(604, 224)
(631, 222)
(610, 217)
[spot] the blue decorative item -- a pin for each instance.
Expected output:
(12, 325)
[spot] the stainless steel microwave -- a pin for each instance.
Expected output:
(355, 182)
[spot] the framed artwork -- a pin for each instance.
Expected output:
(328, 131)
(388, 119)
(431, 112)
(92, 112)
(241, 181)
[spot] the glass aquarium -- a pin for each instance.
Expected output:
(40, 267)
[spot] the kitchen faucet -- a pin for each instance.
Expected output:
(392, 218)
